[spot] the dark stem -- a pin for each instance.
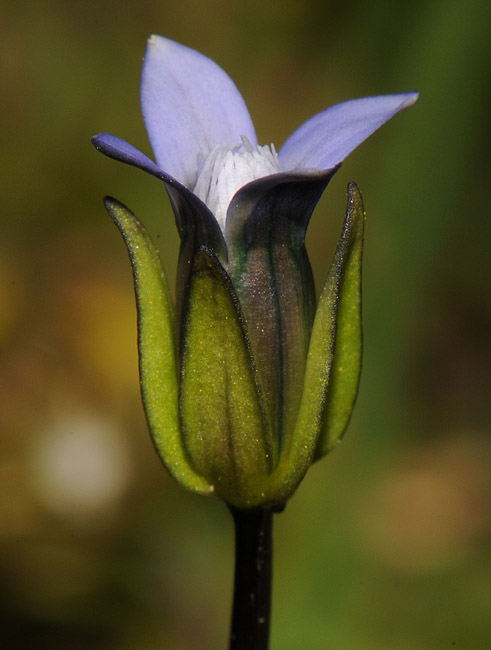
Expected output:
(252, 584)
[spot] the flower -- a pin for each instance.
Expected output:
(260, 382)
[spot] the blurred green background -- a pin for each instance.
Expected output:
(386, 544)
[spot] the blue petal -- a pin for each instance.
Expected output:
(327, 138)
(196, 225)
(189, 105)
(119, 149)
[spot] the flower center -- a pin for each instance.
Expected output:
(226, 170)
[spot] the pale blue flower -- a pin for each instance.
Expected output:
(242, 211)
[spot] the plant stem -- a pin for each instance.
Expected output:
(252, 584)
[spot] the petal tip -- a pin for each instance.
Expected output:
(97, 140)
(411, 98)
(156, 40)
(160, 45)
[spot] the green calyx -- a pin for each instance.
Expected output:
(209, 411)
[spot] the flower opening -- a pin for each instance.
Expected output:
(227, 169)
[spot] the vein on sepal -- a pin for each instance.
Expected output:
(223, 421)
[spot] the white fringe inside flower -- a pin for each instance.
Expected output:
(226, 170)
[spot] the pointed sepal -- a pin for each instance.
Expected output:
(222, 420)
(346, 365)
(156, 347)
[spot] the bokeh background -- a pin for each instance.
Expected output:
(386, 544)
